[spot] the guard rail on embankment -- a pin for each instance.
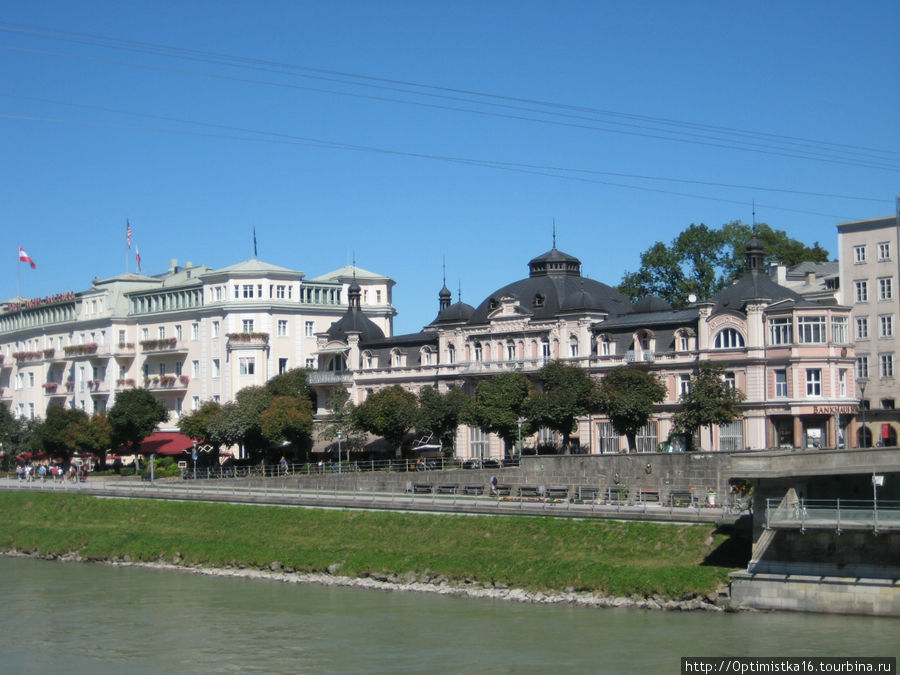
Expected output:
(288, 492)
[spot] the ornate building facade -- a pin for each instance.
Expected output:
(791, 356)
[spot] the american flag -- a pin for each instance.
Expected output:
(128, 233)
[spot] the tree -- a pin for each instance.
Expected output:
(627, 395)
(238, 423)
(709, 400)
(291, 383)
(95, 437)
(390, 413)
(58, 432)
(288, 418)
(134, 416)
(439, 414)
(567, 393)
(498, 405)
(702, 261)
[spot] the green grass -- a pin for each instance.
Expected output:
(609, 557)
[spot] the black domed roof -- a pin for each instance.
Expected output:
(355, 320)
(652, 303)
(458, 312)
(555, 285)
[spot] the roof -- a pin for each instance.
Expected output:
(350, 272)
(169, 443)
(254, 267)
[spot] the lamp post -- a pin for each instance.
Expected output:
(340, 436)
(861, 383)
(194, 457)
(519, 422)
(877, 481)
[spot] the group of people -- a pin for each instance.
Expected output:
(29, 472)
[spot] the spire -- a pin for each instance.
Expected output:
(554, 233)
(444, 296)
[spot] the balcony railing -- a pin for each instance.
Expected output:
(239, 340)
(329, 378)
(164, 345)
(166, 382)
(834, 514)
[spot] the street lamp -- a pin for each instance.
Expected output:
(520, 421)
(861, 383)
(194, 457)
(877, 482)
(340, 436)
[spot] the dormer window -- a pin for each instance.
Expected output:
(539, 300)
(492, 304)
(729, 339)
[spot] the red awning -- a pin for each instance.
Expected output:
(169, 443)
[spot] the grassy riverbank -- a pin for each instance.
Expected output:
(608, 557)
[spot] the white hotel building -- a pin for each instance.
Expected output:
(189, 335)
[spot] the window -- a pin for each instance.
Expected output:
(887, 403)
(780, 330)
(510, 351)
(478, 443)
(195, 403)
(647, 438)
(195, 369)
(162, 369)
(426, 357)
(247, 365)
(215, 329)
(573, 346)
(730, 380)
(545, 349)
(684, 342)
(248, 290)
(839, 330)
(862, 366)
(861, 291)
(279, 292)
(885, 288)
(282, 327)
(862, 328)
(195, 331)
(178, 366)
(781, 388)
(813, 382)
(451, 354)
(842, 382)
(121, 337)
(309, 328)
(31, 379)
(886, 325)
(859, 254)
(886, 365)
(282, 366)
(178, 335)
(811, 329)
(247, 325)
(604, 346)
(478, 351)
(607, 438)
(161, 332)
(218, 293)
(216, 370)
(377, 297)
(884, 250)
(731, 435)
(145, 333)
(684, 384)
(311, 363)
(729, 339)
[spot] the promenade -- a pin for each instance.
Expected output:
(287, 491)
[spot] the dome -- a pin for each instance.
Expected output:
(458, 312)
(652, 303)
(355, 320)
(555, 285)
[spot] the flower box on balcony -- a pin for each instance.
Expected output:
(249, 337)
(49, 353)
(50, 387)
(164, 343)
(126, 346)
(70, 386)
(80, 350)
(184, 379)
(27, 356)
(166, 380)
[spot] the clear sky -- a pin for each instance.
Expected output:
(416, 132)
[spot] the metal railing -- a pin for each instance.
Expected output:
(837, 514)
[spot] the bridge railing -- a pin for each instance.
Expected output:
(835, 514)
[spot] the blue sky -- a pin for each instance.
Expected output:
(409, 133)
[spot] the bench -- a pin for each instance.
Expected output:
(616, 494)
(586, 493)
(423, 488)
(473, 490)
(447, 489)
(503, 490)
(558, 492)
(646, 497)
(682, 498)
(528, 491)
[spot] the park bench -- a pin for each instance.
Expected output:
(682, 498)
(503, 490)
(423, 488)
(558, 492)
(447, 489)
(528, 491)
(616, 494)
(646, 497)
(586, 493)
(474, 490)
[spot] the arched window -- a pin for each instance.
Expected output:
(573, 346)
(729, 339)
(510, 351)
(545, 349)
(426, 356)
(396, 358)
(478, 352)
(368, 361)
(451, 354)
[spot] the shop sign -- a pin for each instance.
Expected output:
(834, 410)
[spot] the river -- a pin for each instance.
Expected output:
(91, 618)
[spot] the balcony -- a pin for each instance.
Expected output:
(247, 340)
(329, 378)
(489, 367)
(166, 382)
(78, 351)
(163, 346)
(56, 389)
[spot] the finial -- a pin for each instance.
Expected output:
(444, 269)
(753, 214)
(554, 233)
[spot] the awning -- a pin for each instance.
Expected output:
(168, 443)
(331, 350)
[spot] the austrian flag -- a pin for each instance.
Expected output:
(23, 257)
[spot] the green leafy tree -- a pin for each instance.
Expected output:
(59, 431)
(291, 383)
(702, 261)
(709, 400)
(389, 413)
(439, 414)
(95, 437)
(567, 392)
(238, 423)
(498, 405)
(196, 425)
(226, 427)
(289, 418)
(627, 395)
(9, 427)
(134, 416)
